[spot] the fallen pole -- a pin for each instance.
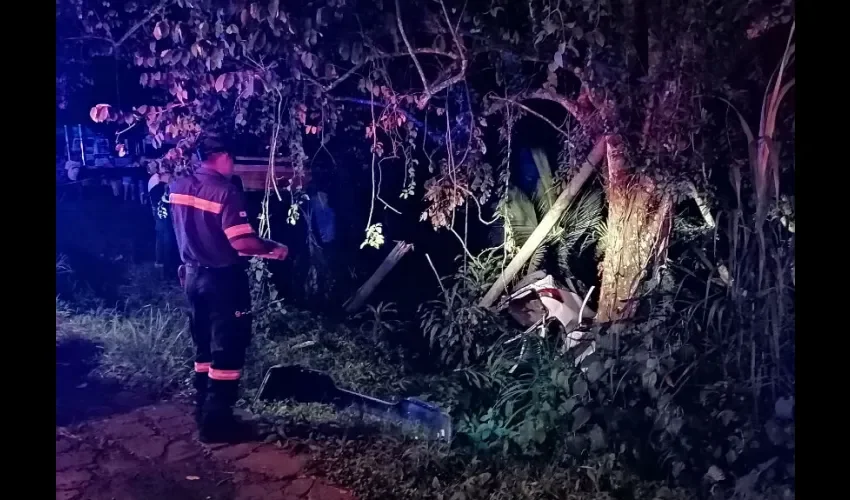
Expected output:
(542, 230)
(365, 291)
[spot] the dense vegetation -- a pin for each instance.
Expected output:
(670, 185)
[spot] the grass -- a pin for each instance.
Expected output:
(145, 343)
(148, 348)
(331, 348)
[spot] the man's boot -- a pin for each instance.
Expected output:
(201, 384)
(218, 424)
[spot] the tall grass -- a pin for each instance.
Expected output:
(747, 314)
(148, 348)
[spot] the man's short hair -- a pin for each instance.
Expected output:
(211, 146)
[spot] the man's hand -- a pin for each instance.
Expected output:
(279, 253)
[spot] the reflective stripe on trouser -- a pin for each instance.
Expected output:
(216, 374)
(220, 303)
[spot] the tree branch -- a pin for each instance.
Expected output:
(531, 111)
(153, 12)
(345, 76)
(409, 46)
(366, 102)
(136, 27)
(464, 63)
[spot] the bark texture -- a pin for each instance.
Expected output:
(638, 229)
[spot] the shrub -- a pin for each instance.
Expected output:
(458, 331)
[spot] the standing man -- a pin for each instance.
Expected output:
(165, 239)
(212, 231)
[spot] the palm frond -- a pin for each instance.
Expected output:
(547, 190)
(581, 218)
(521, 213)
(523, 218)
(583, 223)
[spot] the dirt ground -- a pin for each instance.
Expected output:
(151, 453)
(113, 444)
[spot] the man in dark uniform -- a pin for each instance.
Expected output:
(165, 249)
(212, 230)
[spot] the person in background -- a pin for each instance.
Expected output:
(166, 244)
(129, 190)
(109, 178)
(143, 191)
(142, 183)
(323, 222)
(324, 217)
(213, 232)
(153, 173)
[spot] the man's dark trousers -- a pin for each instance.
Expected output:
(220, 301)
(166, 246)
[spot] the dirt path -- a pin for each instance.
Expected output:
(151, 453)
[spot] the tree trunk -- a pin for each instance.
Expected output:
(549, 220)
(638, 227)
(365, 291)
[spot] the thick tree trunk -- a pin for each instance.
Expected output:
(638, 227)
(542, 230)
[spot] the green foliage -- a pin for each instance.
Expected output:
(535, 407)
(380, 322)
(579, 226)
(264, 297)
(459, 331)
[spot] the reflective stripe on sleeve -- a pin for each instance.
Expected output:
(202, 367)
(238, 230)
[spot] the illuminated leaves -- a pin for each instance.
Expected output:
(374, 236)
(197, 50)
(221, 82)
(99, 113)
(161, 30)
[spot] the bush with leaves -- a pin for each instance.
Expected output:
(458, 330)
(534, 407)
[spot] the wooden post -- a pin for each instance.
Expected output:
(365, 291)
(545, 226)
(82, 145)
(67, 144)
